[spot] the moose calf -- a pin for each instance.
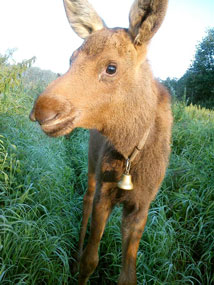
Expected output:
(109, 89)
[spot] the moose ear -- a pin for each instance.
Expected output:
(82, 17)
(145, 18)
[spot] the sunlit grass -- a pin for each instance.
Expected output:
(42, 181)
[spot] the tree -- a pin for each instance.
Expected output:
(198, 81)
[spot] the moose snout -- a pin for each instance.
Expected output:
(54, 104)
(48, 108)
(43, 117)
(44, 114)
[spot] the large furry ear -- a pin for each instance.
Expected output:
(82, 17)
(145, 18)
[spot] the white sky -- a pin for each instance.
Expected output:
(40, 28)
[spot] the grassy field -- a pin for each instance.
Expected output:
(42, 181)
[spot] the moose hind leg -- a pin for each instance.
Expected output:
(133, 223)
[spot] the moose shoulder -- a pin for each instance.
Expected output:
(109, 88)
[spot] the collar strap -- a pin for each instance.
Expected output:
(125, 182)
(139, 147)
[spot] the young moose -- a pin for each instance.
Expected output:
(109, 88)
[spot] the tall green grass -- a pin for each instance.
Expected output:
(42, 181)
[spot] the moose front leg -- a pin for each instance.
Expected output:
(134, 221)
(87, 209)
(102, 208)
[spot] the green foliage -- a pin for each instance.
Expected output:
(42, 181)
(36, 79)
(198, 81)
(11, 84)
(20, 83)
(11, 74)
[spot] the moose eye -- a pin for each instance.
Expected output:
(111, 69)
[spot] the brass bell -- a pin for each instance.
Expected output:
(125, 182)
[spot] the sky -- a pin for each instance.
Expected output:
(40, 28)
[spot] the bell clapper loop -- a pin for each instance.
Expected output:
(128, 166)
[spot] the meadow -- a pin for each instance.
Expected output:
(42, 183)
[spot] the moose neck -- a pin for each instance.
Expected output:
(124, 138)
(128, 124)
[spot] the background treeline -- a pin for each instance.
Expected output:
(42, 182)
(197, 84)
(21, 77)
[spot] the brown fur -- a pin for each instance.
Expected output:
(118, 109)
(145, 18)
(84, 20)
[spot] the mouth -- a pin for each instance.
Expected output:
(59, 127)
